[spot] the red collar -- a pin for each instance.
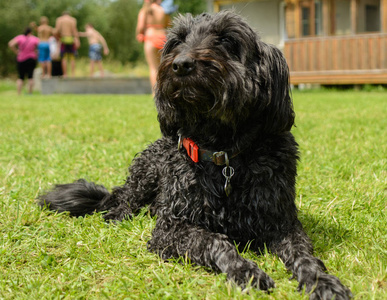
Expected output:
(219, 158)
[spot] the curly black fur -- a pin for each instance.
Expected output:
(224, 88)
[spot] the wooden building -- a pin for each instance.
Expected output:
(324, 41)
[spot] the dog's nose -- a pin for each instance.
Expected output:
(183, 65)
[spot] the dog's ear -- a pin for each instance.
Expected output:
(273, 71)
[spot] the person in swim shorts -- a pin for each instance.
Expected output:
(151, 30)
(66, 26)
(25, 46)
(44, 33)
(97, 43)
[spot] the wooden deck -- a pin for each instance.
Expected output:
(355, 59)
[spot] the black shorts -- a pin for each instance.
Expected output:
(26, 68)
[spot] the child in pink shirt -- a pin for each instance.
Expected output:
(25, 47)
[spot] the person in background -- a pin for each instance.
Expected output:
(169, 7)
(56, 60)
(44, 33)
(25, 47)
(33, 26)
(96, 44)
(151, 27)
(66, 26)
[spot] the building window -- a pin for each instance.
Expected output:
(305, 21)
(372, 18)
(343, 17)
(311, 18)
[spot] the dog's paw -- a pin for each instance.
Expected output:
(325, 287)
(118, 214)
(249, 272)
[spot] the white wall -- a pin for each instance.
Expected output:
(263, 17)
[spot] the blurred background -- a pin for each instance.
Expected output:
(114, 19)
(327, 42)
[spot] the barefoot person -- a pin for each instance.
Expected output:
(67, 29)
(25, 47)
(96, 44)
(151, 30)
(44, 33)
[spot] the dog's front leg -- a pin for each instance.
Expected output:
(141, 185)
(295, 250)
(173, 238)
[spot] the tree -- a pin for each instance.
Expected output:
(193, 6)
(15, 16)
(121, 34)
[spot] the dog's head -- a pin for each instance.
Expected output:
(217, 78)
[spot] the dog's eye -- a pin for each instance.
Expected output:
(170, 45)
(225, 41)
(230, 44)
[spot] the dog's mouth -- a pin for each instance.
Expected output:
(198, 85)
(192, 71)
(186, 80)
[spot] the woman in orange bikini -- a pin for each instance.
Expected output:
(151, 30)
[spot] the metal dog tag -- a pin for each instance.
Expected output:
(228, 172)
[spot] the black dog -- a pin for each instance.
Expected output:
(224, 170)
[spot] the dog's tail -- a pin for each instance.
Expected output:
(84, 198)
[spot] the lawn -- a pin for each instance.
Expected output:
(341, 193)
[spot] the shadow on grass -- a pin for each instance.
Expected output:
(324, 232)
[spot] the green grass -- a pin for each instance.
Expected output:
(112, 67)
(7, 85)
(341, 194)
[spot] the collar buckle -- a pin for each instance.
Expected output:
(219, 158)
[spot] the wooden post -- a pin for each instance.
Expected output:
(216, 6)
(326, 17)
(383, 15)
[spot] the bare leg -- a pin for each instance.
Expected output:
(49, 69)
(30, 85)
(72, 61)
(43, 66)
(152, 56)
(46, 69)
(64, 66)
(100, 66)
(19, 84)
(91, 68)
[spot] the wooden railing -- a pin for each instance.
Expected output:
(354, 59)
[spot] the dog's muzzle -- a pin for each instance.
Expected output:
(183, 65)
